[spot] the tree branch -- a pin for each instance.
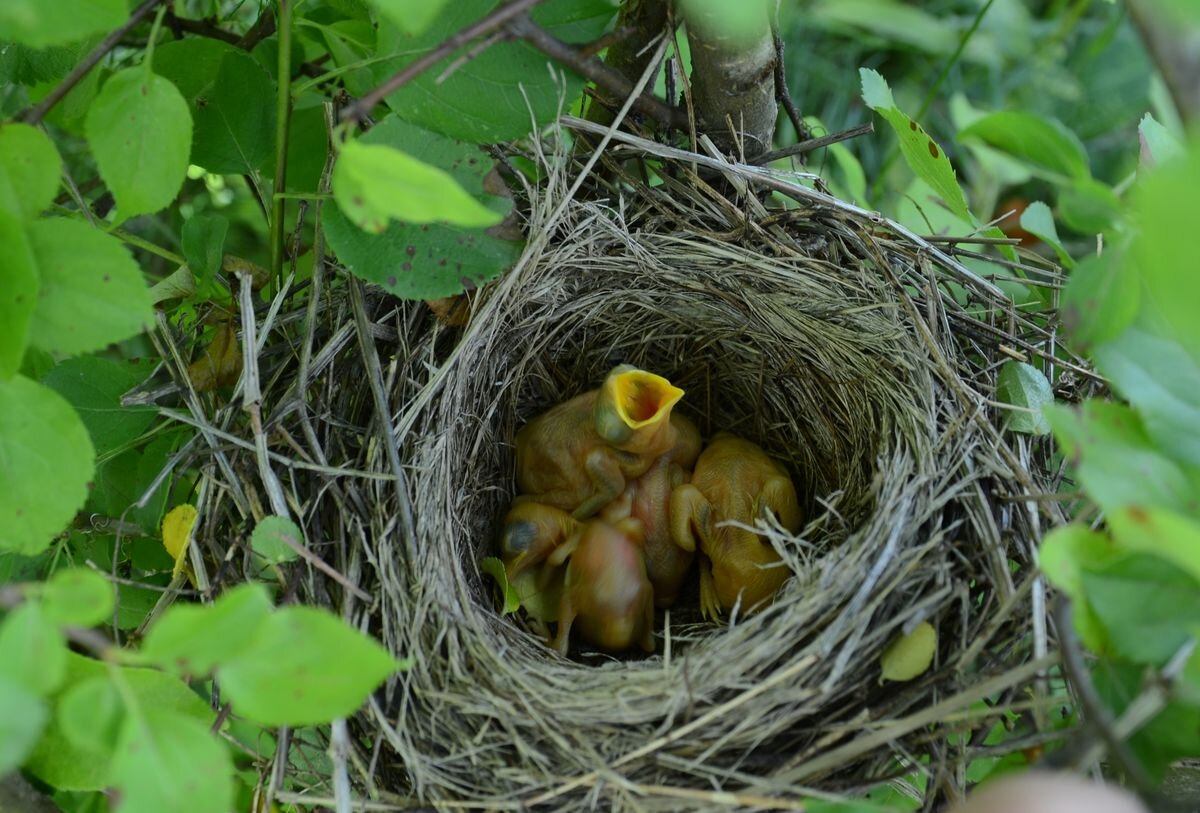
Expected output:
(35, 114)
(360, 109)
(813, 144)
(1175, 49)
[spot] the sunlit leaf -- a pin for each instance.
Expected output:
(48, 463)
(78, 597)
(1147, 605)
(84, 271)
(170, 761)
(29, 170)
(195, 639)
(140, 131)
(306, 667)
(410, 16)
(35, 652)
(22, 716)
(1063, 555)
(1158, 145)
(177, 529)
(1038, 220)
(1115, 460)
(38, 23)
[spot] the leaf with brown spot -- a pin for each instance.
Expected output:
(221, 363)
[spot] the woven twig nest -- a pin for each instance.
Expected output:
(857, 355)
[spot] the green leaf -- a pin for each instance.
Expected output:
(195, 639)
(1063, 555)
(140, 131)
(1101, 299)
(37, 23)
(1038, 220)
(1089, 207)
(92, 292)
(1043, 143)
(22, 717)
(1158, 145)
(1173, 733)
(428, 261)
(499, 93)
(921, 152)
(169, 761)
(235, 117)
(29, 170)
(48, 462)
(122, 479)
(58, 762)
(307, 667)
(268, 539)
(90, 715)
(410, 16)
(1165, 204)
(78, 597)
(94, 386)
(374, 184)
(32, 651)
(1163, 382)
(1024, 386)
(18, 294)
(1116, 462)
(1160, 532)
(204, 249)
(495, 568)
(1147, 605)
(894, 22)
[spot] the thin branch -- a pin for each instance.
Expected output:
(36, 113)
(782, 94)
(498, 18)
(283, 109)
(813, 144)
(596, 71)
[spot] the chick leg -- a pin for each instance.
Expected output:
(566, 617)
(779, 495)
(690, 518)
(608, 481)
(710, 605)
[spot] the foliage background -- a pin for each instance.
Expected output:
(181, 164)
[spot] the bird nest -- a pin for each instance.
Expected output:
(861, 356)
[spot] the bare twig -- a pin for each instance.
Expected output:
(362, 108)
(782, 94)
(36, 113)
(596, 71)
(812, 144)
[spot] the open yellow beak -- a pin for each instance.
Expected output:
(642, 398)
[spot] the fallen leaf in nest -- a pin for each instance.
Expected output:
(259, 276)
(910, 655)
(221, 363)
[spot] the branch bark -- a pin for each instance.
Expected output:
(733, 75)
(1175, 48)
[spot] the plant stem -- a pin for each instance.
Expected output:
(282, 111)
(148, 62)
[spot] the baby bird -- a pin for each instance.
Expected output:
(648, 500)
(606, 594)
(579, 455)
(530, 533)
(734, 480)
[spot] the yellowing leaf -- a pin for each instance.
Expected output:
(910, 655)
(374, 184)
(176, 530)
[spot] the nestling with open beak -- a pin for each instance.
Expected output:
(734, 480)
(607, 597)
(579, 455)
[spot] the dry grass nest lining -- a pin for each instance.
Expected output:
(831, 340)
